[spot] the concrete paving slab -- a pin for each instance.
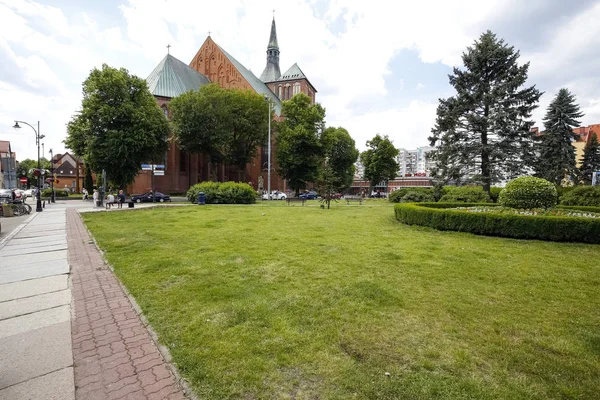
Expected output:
(14, 245)
(25, 259)
(28, 233)
(37, 240)
(33, 287)
(44, 227)
(28, 305)
(59, 385)
(6, 251)
(33, 271)
(35, 353)
(40, 319)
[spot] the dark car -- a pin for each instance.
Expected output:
(312, 195)
(147, 197)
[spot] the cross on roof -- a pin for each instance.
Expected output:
(208, 33)
(168, 47)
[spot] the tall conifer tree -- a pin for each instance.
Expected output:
(556, 152)
(590, 162)
(484, 130)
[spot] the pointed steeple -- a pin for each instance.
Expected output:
(272, 71)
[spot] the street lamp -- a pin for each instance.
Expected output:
(52, 199)
(269, 150)
(38, 137)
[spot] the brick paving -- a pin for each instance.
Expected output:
(113, 353)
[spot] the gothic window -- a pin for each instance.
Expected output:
(287, 91)
(165, 110)
(296, 88)
(182, 161)
(279, 92)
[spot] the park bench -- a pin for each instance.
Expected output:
(291, 200)
(358, 199)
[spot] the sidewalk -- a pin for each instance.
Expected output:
(36, 360)
(77, 338)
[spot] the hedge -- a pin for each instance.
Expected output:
(223, 193)
(455, 194)
(57, 192)
(397, 196)
(558, 229)
(581, 196)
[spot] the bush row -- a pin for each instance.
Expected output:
(223, 193)
(580, 196)
(57, 192)
(447, 194)
(560, 229)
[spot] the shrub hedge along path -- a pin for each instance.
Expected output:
(347, 303)
(444, 216)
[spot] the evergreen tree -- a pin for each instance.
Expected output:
(556, 152)
(590, 162)
(485, 128)
(379, 161)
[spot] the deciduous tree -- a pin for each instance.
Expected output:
(486, 128)
(341, 154)
(379, 161)
(299, 149)
(119, 126)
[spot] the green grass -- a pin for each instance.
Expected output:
(304, 303)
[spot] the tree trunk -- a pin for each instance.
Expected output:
(485, 157)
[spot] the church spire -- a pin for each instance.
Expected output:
(272, 71)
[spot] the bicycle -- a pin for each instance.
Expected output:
(21, 208)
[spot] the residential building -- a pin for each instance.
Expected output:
(415, 162)
(69, 172)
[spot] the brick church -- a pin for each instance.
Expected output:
(212, 64)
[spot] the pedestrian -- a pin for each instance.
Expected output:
(95, 198)
(110, 200)
(85, 194)
(121, 198)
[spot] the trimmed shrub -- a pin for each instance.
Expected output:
(57, 192)
(581, 196)
(223, 193)
(398, 195)
(470, 194)
(495, 192)
(417, 197)
(528, 192)
(553, 228)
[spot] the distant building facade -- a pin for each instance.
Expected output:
(69, 172)
(8, 166)
(415, 162)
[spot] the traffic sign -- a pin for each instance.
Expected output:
(146, 167)
(23, 180)
(159, 173)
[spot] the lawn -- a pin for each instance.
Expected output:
(278, 302)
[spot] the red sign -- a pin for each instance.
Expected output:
(23, 180)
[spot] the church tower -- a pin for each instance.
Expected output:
(272, 71)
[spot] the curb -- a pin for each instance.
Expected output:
(163, 350)
(15, 231)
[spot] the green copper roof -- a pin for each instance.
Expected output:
(172, 78)
(273, 38)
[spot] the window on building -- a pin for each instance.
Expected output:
(165, 110)
(72, 183)
(279, 93)
(182, 161)
(296, 88)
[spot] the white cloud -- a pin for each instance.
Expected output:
(49, 51)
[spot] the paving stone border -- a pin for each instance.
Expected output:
(116, 354)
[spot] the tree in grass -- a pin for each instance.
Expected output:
(485, 128)
(299, 151)
(556, 153)
(590, 162)
(379, 161)
(226, 125)
(119, 126)
(341, 155)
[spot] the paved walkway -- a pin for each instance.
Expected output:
(78, 339)
(36, 360)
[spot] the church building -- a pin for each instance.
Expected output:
(212, 64)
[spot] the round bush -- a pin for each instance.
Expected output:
(417, 197)
(528, 192)
(425, 193)
(581, 196)
(467, 194)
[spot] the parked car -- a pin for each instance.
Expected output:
(5, 195)
(275, 195)
(312, 195)
(147, 197)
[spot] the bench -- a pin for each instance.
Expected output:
(348, 199)
(290, 200)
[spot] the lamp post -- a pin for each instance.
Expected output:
(38, 137)
(269, 151)
(52, 199)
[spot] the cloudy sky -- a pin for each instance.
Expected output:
(379, 65)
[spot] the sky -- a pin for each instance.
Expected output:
(379, 66)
